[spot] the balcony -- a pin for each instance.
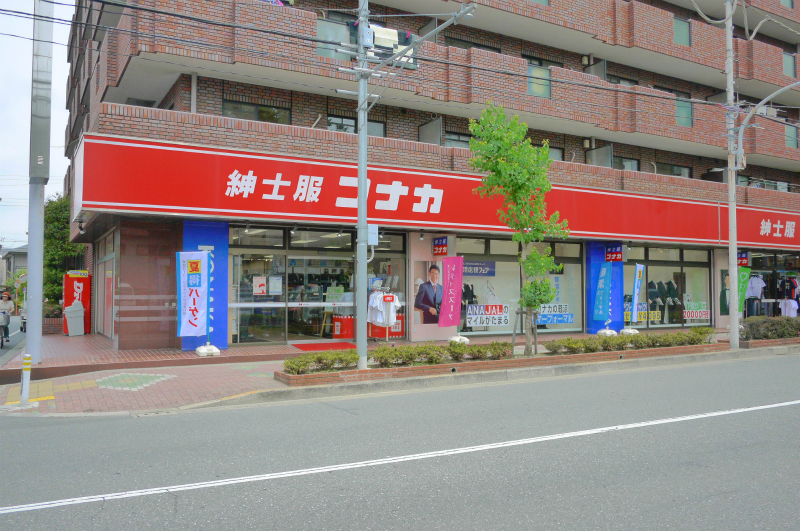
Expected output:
(218, 131)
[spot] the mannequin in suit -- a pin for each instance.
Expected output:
(663, 294)
(725, 297)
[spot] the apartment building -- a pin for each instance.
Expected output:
(217, 125)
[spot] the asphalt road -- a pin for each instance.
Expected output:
(736, 471)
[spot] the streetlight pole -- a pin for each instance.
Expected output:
(39, 164)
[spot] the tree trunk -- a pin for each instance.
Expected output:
(528, 333)
(535, 333)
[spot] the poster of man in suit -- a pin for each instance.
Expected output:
(429, 293)
(724, 293)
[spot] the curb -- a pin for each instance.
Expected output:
(508, 375)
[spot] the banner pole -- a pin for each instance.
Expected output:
(208, 300)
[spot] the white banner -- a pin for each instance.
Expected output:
(193, 279)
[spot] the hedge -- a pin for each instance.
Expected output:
(695, 336)
(769, 328)
(321, 361)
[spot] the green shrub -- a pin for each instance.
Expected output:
(554, 346)
(478, 352)
(346, 359)
(298, 365)
(408, 354)
(457, 351)
(500, 349)
(386, 356)
(325, 361)
(666, 340)
(592, 344)
(622, 342)
(770, 327)
(573, 346)
(640, 341)
(681, 338)
(431, 353)
(608, 343)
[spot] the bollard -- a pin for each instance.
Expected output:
(26, 380)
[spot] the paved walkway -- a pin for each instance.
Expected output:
(144, 389)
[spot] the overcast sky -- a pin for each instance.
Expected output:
(15, 108)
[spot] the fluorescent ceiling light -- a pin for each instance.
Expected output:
(330, 235)
(304, 241)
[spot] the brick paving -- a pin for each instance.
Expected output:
(143, 389)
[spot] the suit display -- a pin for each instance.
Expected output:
(724, 301)
(429, 296)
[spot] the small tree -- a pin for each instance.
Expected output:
(516, 171)
(58, 250)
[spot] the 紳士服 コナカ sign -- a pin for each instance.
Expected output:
(613, 253)
(440, 246)
(193, 293)
(487, 315)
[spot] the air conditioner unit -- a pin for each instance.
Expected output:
(768, 111)
(388, 42)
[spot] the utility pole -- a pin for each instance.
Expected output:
(39, 164)
(363, 74)
(730, 125)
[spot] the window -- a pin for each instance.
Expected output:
(539, 76)
(316, 239)
(466, 45)
(693, 255)
(683, 107)
(663, 168)
(334, 28)
(664, 254)
(791, 136)
(256, 237)
(682, 31)
(348, 125)
(622, 163)
(788, 3)
(556, 153)
(470, 245)
(616, 80)
(458, 140)
(260, 113)
(789, 66)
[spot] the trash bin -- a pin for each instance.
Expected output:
(74, 316)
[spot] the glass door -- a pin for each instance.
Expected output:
(104, 298)
(320, 298)
(257, 307)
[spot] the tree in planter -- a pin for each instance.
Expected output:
(516, 171)
(58, 250)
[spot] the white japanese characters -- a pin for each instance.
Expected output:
(767, 227)
(309, 189)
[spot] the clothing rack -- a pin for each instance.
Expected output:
(385, 290)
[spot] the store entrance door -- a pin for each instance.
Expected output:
(104, 318)
(320, 298)
(257, 299)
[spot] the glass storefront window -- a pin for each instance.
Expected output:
(256, 237)
(696, 306)
(333, 240)
(391, 242)
(664, 255)
(693, 255)
(635, 253)
(390, 272)
(568, 250)
(506, 247)
(641, 305)
(565, 312)
(497, 286)
(470, 245)
(665, 285)
(320, 296)
(258, 294)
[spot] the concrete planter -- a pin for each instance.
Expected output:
(327, 378)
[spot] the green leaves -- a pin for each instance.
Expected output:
(516, 171)
(57, 247)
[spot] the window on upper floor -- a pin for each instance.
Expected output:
(259, 113)
(539, 76)
(348, 125)
(789, 65)
(684, 113)
(788, 3)
(466, 45)
(459, 140)
(791, 136)
(334, 28)
(556, 153)
(682, 31)
(663, 168)
(622, 163)
(616, 80)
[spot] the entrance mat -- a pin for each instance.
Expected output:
(313, 347)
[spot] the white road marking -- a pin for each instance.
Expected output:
(378, 462)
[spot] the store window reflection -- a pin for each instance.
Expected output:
(258, 297)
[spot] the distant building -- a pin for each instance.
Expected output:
(11, 262)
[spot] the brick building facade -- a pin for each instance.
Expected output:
(626, 94)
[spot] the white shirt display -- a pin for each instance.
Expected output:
(755, 287)
(380, 312)
(788, 307)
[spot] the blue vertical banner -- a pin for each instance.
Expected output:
(604, 300)
(211, 236)
(637, 285)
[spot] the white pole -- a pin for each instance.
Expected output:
(24, 391)
(733, 268)
(361, 227)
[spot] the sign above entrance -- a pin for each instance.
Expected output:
(123, 175)
(440, 246)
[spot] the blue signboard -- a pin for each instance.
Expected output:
(211, 236)
(479, 269)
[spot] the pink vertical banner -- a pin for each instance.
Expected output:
(450, 313)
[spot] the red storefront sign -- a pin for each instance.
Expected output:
(125, 175)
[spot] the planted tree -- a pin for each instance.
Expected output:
(59, 252)
(516, 172)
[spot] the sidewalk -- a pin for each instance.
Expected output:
(143, 389)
